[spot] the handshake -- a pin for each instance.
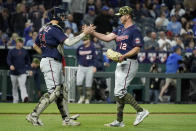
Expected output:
(88, 29)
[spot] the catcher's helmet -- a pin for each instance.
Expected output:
(56, 13)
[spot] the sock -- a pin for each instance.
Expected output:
(130, 100)
(79, 92)
(120, 107)
(88, 93)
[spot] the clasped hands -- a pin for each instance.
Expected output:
(88, 29)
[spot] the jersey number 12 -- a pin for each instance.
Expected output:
(123, 46)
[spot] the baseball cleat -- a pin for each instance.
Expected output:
(161, 98)
(34, 120)
(140, 117)
(81, 100)
(87, 101)
(75, 117)
(70, 122)
(115, 124)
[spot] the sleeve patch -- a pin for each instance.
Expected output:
(137, 40)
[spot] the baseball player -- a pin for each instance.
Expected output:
(129, 41)
(18, 61)
(86, 59)
(49, 44)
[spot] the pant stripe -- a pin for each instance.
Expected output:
(52, 73)
(127, 76)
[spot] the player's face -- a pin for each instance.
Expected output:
(124, 18)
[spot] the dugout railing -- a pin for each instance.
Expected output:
(147, 75)
(4, 75)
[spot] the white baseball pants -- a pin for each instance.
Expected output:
(19, 80)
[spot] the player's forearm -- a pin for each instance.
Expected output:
(37, 49)
(101, 36)
(132, 52)
(73, 40)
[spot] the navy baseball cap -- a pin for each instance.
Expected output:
(91, 8)
(105, 8)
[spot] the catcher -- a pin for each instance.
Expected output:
(129, 41)
(49, 44)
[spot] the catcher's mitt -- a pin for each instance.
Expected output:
(113, 55)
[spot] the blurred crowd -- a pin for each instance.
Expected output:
(163, 23)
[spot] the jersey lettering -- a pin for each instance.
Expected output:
(43, 40)
(47, 29)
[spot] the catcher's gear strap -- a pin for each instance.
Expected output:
(46, 99)
(65, 92)
(73, 40)
(113, 55)
(75, 117)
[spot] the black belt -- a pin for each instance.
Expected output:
(129, 59)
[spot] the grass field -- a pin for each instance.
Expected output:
(163, 117)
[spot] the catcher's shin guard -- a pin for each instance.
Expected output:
(46, 99)
(65, 93)
(63, 107)
(62, 103)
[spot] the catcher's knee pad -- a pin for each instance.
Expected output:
(46, 99)
(55, 94)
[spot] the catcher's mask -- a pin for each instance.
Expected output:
(57, 13)
(125, 10)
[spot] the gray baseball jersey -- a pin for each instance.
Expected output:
(126, 40)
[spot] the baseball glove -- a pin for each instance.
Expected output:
(113, 55)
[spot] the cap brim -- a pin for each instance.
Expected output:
(117, 14)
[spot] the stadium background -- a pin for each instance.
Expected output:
(164, 116)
